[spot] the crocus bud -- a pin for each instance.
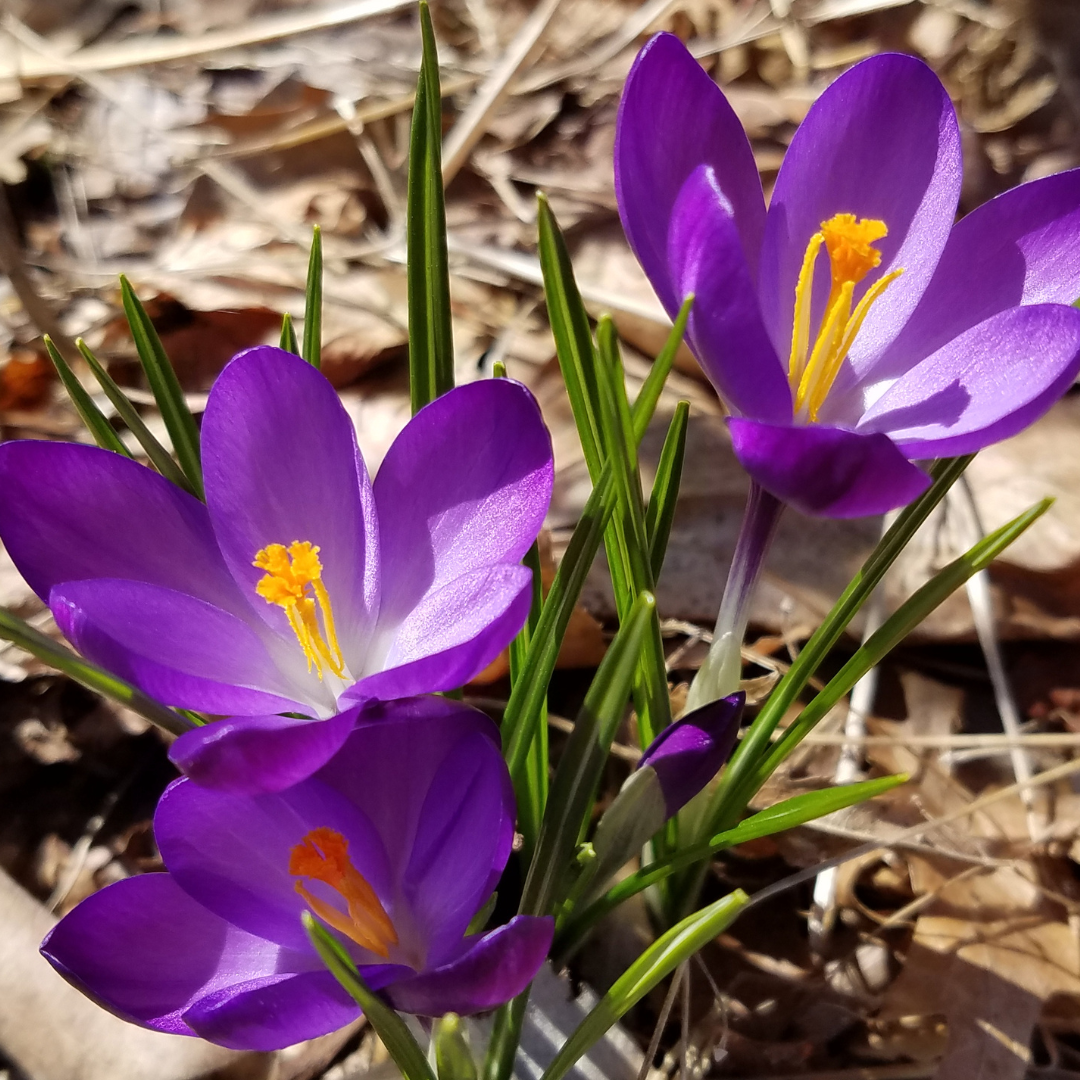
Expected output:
(678, 764)
(689, 753)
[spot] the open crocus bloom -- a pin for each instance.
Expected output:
(300, 586)
(396, 843)
(851, 328)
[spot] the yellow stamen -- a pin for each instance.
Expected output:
(323, 854)
(848, 241)
(289, 573)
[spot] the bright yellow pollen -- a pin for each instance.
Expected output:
(290, 572)
(812, 368)
(323, 854)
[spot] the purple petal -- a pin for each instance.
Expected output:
(389, 763)
(231, 852)
(725, 328)
(272, 1013)
(1021, 248)
(451, 635)
(463, 839)
(496, 968)
(672, 119)
(827, 472)
(69, 513)
(281, 463)
(147, 951)
(464, 487)
(687, 754)
(881, 142)
(251, 755)
(179, 649)
(987, 384)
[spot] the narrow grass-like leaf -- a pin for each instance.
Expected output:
(453, 1060)
(505, 1037)
(897, 627)
(312, 347)
(654, 964)
(94, 419)
(165, 386)
(651, 695)
(529, 692)
(731, 795)
(573, 336)
(665, 489)
(578, 775)
(797, 810)
(22, 634)
(159, 457)
(649, 394)
(431, 347)
(519, 724)
(288, 340)
(391, 1029)
(533, 798)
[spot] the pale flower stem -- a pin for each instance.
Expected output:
(719, 675)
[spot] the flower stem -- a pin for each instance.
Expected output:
(719, 675)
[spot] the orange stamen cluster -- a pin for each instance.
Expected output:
(290, 572)
(848, 241)
(323, 855)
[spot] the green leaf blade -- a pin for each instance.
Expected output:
(578, 775)
(165, 386)
(159, 457)
(654, 964)
(665, 489)
(103, 682)
(311, 350)
(94, 419)
(431, 348)
(288, 340)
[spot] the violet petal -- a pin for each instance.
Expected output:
(493, 970)
(881, 142)
(987, 384)
(179, 649)
(72, 513)
(725, 328)
(281, 464)
(672, 119)
(463, 488)
(250, 755)
(147, 951)
(825, 471)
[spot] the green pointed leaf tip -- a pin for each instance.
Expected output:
(288, 340)
(311, 350)
(94, 419)
(159, 457)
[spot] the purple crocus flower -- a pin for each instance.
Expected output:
(851, 328)
(395, 844)
(300, 586)
(675, 767)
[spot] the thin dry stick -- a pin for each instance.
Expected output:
(494, 90)
(661, 1021)
(31, 67)
(1050, 776)
(982, 610)
(822, 916)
